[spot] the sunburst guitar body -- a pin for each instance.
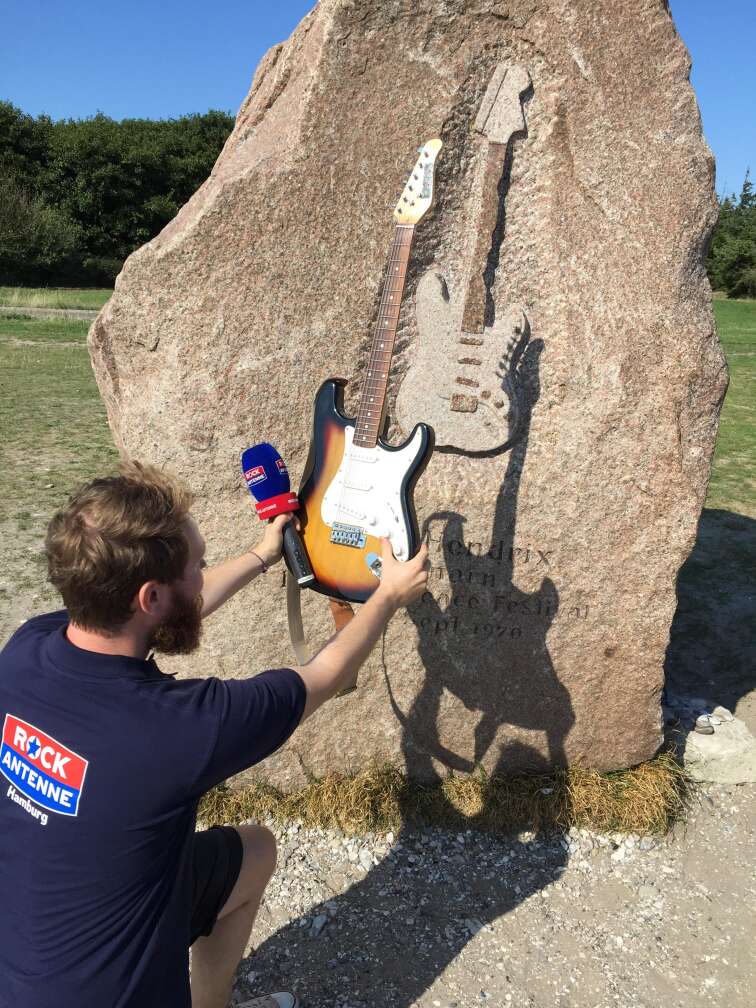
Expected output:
(352, 495)
(356, 487)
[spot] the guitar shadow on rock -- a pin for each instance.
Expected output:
(392, 933)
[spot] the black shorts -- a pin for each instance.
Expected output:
(217, 861)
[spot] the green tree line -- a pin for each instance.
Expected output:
(78, 195)
(732, 255)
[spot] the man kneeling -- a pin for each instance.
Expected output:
(105, 882)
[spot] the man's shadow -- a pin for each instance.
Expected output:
(483, 640)
(391, 934)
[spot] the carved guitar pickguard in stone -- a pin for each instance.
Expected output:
(462, 384)
(461, 379)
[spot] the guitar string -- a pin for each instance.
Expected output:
(397, 246)
(394, 257)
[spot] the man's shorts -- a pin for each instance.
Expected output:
(218, 856)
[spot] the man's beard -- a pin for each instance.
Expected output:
(180, 633)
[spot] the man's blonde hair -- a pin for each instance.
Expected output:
(115, 534)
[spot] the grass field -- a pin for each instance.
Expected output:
(733, 479)
(54, 436)
(55, 427)
(53, 297)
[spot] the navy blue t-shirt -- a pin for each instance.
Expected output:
(104, 759)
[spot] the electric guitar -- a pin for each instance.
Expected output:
(355, 487)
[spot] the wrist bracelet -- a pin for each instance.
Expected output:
(264, 565)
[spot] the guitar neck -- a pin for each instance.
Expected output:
(373, 398)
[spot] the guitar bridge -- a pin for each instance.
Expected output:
(347, 535)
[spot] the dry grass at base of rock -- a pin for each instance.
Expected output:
(647, 798)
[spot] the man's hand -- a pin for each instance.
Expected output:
(270, 547)
(335, 666)
(403, 581)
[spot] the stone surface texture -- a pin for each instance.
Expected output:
(542, 639)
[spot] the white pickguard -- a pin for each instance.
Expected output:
(366, 490)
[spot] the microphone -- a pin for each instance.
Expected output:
(267, 480)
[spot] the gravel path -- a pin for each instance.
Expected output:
(452, 920)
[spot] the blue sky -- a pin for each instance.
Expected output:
(164, 58)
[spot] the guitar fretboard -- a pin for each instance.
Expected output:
(379, 364)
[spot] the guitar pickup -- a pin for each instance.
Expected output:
(366, 458)
(347, 535)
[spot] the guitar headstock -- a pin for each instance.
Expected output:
(417, 194)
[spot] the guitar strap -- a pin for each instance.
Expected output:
(342, 613)
(294, 612)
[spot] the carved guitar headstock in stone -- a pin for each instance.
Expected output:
(463, 378)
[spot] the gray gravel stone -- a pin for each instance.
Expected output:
(439, 918)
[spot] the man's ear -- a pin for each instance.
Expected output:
(153, 598)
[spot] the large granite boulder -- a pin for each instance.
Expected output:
(574, 248)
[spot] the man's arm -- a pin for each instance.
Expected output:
(337, 663)
(225, 579)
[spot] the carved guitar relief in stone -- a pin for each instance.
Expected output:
(462, 379)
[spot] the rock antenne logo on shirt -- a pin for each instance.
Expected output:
(48, 773)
